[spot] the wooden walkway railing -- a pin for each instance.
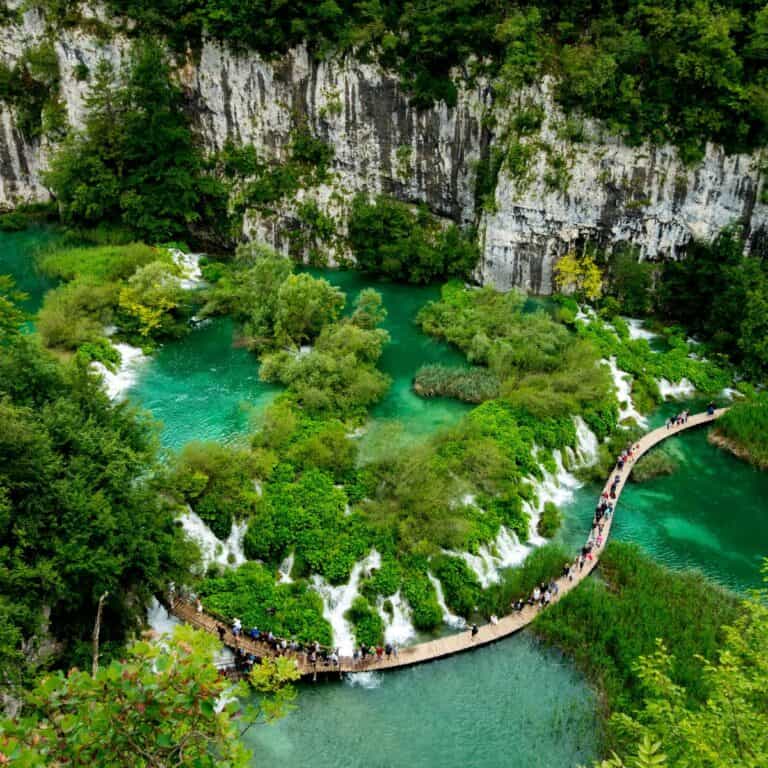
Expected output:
(462, 641)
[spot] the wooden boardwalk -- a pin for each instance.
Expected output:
(462, 641)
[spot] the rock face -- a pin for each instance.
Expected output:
(608, 192)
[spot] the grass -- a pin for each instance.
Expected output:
(745, 428)
(103, 263)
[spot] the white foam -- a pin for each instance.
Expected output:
(192, 276)
(451, 619)
(338, 600)
(587, 444)
(285, 570)
(730, 393)
(227, 553)
(622, 381)
(671, 390)
(398, 628)
(119, 382)
(159, 620)
(369, 680)
(636, 330)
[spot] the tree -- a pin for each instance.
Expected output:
(150, 298)
(369, 310)
(579, 275)
(304, 306)
(159, 707)
(11, 315)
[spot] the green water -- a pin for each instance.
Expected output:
(17, 258)
(201, 388)
(510, 704)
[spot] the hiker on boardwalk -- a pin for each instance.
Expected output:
(474, 630)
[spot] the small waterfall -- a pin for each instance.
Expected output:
(227, 553)
(622, 382)
(159, 620)
(451, 619)
(672, 391)
(192, 276)
(483, 564)
(637, 331)
(285, 570)
(119, 382)
(397, 628)
(587, 444)
(338, 600)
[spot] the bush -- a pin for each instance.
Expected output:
(250, 594)
(420, 593)
(462, 590)
(550, 521)
(366, 622)
(105, 263)
(656, 463)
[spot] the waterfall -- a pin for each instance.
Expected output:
(587, 445)
(119, 382)
(636, 330)
(338, 600)
(622, 382)
(285, 569)
(451, 619)
(189, 263)
(159, 620)
(671, 391)
(397, 628)
(227, 553)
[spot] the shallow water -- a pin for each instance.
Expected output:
(509, 704)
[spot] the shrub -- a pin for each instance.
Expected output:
(656, 463)
(368, 626)
(550, 521)
(745, 425)
(472, 385)
(461, 588)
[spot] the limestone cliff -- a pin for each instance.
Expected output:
(603, 191)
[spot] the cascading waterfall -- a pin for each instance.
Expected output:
(451, 619)
(120, 381)
(227, 553)
(397, 627)
(338, 600)
(670, 390)
(159, 620)
(637, 331)
(192, 276)
(284, 571)
(622, 381)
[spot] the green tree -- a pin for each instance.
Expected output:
(158, 707)
(304, 306)
(11, 316)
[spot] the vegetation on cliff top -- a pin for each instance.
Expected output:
(745, 428)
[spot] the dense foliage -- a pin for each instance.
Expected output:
(721, 295)
(472, 385)
(745, 428)
(74, 494)
(135, 162)
(607, 624)
(251, 594)
(160, 706)
(543, 369)
(686, 72)
(392, 238)
(133, 286)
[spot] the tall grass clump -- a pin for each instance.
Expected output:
(471, 385)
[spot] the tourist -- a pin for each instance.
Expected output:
(254, 634)
(536, 596)
(334, 658)
(363, 650)
(222, 632)
(546, 598)
(474, 630)
(388, 651)
(198, 606)
(379, 652)
(237, 627)
(394, 649)
(711, 409)
(494, 619)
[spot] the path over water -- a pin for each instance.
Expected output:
(463, 641)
